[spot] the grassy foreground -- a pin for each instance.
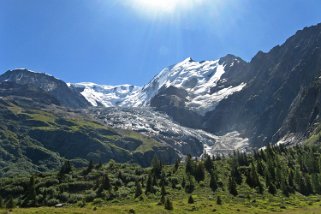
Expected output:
(204, 206)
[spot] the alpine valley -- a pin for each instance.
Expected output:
(214, 107)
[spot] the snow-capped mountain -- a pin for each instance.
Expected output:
(196, 79)
(105, 95)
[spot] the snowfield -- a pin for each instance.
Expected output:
(196, 78)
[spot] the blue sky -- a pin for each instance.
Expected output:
(129, 41)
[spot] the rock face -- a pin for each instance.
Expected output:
(282, 95)
(44, 84)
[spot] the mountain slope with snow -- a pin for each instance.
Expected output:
(104, 95)
(197, 79)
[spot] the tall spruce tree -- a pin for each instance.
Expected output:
(232, 186)
(138, 190)
(213, 182)
(199, 172)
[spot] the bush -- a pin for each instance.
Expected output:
(52, 202)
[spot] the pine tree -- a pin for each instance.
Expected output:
(285, 188)
(271, 188)
(303, 186)
(156, 166)
(183, 182)
(213, 182)
(31, 194)
(209, 166)
(252, 177)
(200, 172)
(163, 190)
(1, 202)
(291, 181)
(149, 184)
(105, 184)
(10, 204)
(260, 188)
(89, 168)
(65, 168)
(260, 167)
(138, 190)
(99, 165)
(232, 186)
(189, 187)
(316, 183)
(236, 174)
(190, 199)
(176, 166)
(309, 186)
(168, 204)
(189, 166)
(219, 200)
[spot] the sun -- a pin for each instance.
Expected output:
(157, 7)
(161, 5)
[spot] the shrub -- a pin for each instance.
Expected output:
(52, 202)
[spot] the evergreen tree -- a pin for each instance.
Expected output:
(105, 184)
(163, 190)
(213, 182)
(138, 190)
(200, 172)
(260, 188)
(168, 204)
(10, 203)
(316, 183)
(89, 168)
(219, 200)
(260, 167)
(1, 202)
(176, 166)
(99, 165)
(285, 188)
(190, 199)
(209, 164)
(183, 182)
(309, 186)
(189, 187)
(156, 166)
(189, 166)
(30, 198)
(291, 181)
(271, 188)
(252, 178)
(235, 173)
(65, 168)
(232, 186)
(149, 184)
